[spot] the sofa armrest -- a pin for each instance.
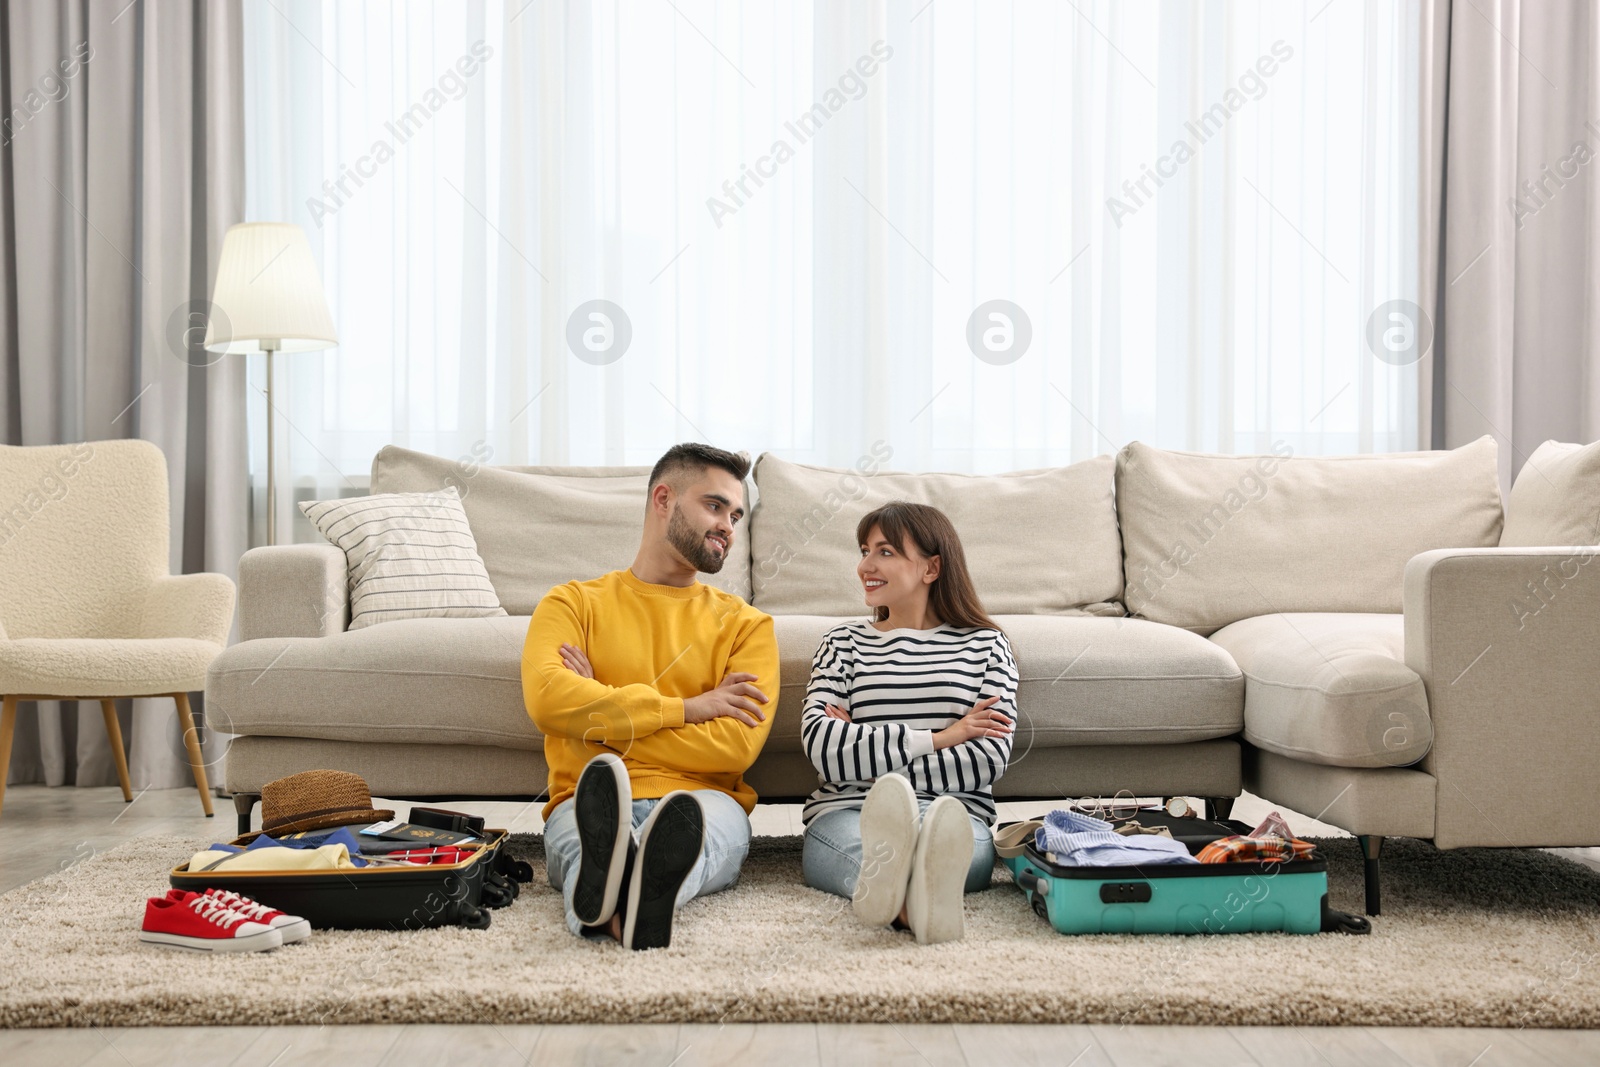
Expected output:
(198, 606)
(293, 591)
(1506, 642)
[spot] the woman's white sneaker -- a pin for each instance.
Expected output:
(888, 841)
(939, 866)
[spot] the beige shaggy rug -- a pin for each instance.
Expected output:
(1468, 938)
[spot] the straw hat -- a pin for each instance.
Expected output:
(317, 800)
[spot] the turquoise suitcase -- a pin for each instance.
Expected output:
(1207, 898)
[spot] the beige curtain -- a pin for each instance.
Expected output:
(1510, 159)
(121, 165)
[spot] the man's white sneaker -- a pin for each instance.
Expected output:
(602, 808)
(670, 841)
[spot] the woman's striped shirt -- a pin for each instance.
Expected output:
(900, 686)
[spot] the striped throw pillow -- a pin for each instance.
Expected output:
(411, 556)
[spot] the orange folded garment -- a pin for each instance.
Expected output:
(1265, 849)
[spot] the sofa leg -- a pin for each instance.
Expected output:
(1371, 846)
(245, 805)
(1218, 808)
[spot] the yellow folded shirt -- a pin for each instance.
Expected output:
(325, 858)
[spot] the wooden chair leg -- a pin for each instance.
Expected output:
(108, 709)
(8, 721)
(191, 741)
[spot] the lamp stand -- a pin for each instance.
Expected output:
(269, 346)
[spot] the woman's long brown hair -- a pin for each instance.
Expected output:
(951, 597)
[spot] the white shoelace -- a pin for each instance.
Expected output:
(217, 910)
(253, 910)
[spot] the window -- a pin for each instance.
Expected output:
(798, 218)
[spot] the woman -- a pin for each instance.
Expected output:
(908, 719)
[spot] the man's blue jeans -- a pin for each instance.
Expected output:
(727, 842)
(831, 858)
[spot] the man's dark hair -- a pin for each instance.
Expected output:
(694, 457)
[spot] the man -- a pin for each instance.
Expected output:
(653, 693)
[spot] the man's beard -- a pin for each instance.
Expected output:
(692, 545)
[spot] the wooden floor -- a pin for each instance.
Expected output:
(798, 1045)
(45, 830)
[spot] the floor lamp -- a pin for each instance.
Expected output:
(268, 298)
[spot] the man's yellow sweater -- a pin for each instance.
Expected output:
(650, 646)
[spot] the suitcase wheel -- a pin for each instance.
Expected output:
(517, 870)
(472, 917)
(500, 880)
(1039, 907)
(495, 896)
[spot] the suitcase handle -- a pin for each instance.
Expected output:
(1035, 889)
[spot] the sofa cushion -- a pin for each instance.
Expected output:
(1081, 681)
(1330, 688)
(1038, 542)
(538, 527)
(1556, 498)
(1213, 539)
(423, 681)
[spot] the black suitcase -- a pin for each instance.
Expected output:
(381, 898)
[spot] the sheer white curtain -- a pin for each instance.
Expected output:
(798, 210)
(1198, 206)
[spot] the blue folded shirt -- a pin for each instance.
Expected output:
(1084, 841)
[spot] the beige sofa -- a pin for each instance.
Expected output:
(1331, 633)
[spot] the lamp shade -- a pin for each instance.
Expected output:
(268, 289)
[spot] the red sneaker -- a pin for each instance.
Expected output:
(205, 924)
(292, 927)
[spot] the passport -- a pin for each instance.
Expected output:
(412, 834)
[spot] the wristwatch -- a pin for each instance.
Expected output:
(1179, 808)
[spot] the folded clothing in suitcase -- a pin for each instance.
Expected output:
(408, 897)
(1217, 898)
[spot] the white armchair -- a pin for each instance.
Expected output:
(88, 610)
